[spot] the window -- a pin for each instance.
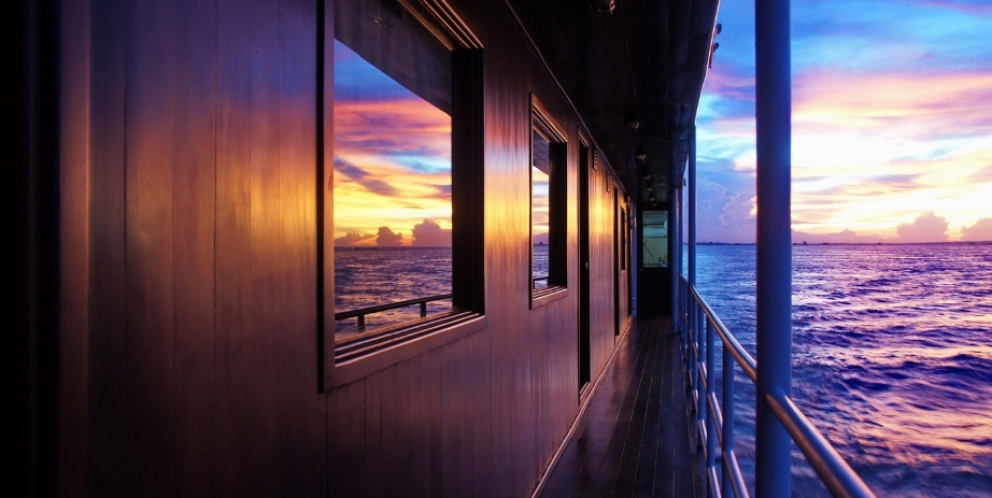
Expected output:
(392, 194)
(407, 173)
(654, 231)
(548, 174)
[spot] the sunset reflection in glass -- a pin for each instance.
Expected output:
(540, 204)
(392, 192)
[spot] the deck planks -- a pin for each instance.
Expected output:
(628, 438)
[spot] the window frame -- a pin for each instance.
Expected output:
(542, 122)
(344, 361)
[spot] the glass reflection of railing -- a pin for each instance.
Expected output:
(698, 326)
(535, 280)
(361, 312)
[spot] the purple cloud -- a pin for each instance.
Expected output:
(352, 238)
(430, 234)
(363, 178)
(981, 231)
(927, 227)
(387, 238)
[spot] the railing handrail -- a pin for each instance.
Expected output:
(388, 306)
(835, 473)
(743, 358)
(833, 470)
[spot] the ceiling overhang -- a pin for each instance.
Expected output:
(634, 74)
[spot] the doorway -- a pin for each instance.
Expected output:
(584, 294)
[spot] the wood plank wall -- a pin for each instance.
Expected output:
(196, 174)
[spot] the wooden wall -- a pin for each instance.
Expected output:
(190, 273)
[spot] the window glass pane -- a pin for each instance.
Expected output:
(540, 209)
(655, 235)
(392, 195)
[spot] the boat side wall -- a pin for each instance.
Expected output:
(190, 350)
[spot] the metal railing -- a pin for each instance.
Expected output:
(361, 312)
(699, 326)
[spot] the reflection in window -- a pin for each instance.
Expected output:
(540, 205)
(655, 243)
(549, 217)
(392, 195)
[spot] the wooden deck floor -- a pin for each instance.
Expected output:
(633, 439)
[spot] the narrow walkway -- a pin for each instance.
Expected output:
(633, 439)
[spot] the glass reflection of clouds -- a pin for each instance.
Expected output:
(392, 155)
(540, 188)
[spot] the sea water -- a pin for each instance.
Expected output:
(892, 359)
(373, 276)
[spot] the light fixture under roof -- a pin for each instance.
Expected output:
(605, 6)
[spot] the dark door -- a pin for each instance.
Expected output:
(616, 262)
(654, 284)
(584, 367)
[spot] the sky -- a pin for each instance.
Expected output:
(392, 160)
(891, 123)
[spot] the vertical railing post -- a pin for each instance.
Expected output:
(710, 389)
(673, 241)
(691, 208)
(773, 477)
(702, 406)
(728, 419)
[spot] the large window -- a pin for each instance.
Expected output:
(392, 195)
(548, 173)
(407, 154)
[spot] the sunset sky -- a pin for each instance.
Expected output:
(392, 160)
(892, 123)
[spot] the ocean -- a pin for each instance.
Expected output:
(368, 277)
(892, 359)
(892, 349)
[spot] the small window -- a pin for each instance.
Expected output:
(548, 173)
(654, 231)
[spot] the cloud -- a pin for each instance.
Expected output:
(979, 232)
(443, 191)
(430, 234)
(352, 238)
(725, 204)
(363, 178)
(982, 175)
(387, 238)
(904, 104)
(409, 130)
(975, 7)
(927, 227)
